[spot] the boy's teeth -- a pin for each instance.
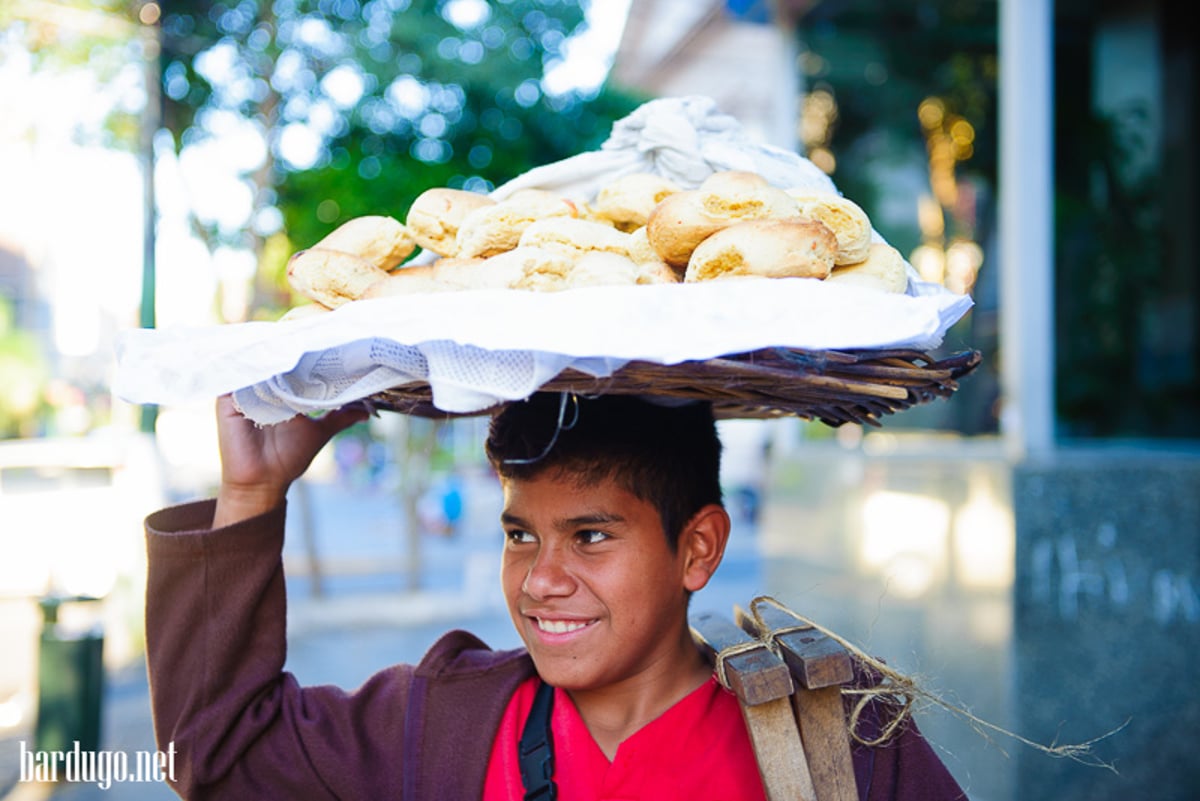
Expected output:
(559, 626)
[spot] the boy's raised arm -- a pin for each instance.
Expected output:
(259, 463)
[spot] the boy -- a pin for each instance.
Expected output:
(612, 518)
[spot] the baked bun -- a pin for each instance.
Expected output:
(503, 270)
(884, 269)
(724, 199)
(685, 219)
(435, 216)
(601, 268)
(542, 269)
(657, 272)
(651, 266)
(303, 312)
(766, 248)
(627, 201)
(678, 224)
(406, 281)
(844, 217)
(381, 241)
(576, 236)
(497, 228)
(331, 277)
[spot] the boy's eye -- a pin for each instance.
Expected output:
(517, 536)
(591, 537)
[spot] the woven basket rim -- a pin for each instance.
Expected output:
(834, 387)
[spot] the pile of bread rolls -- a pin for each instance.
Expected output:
(639, 229)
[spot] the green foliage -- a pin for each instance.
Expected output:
(881, 60)
(398, 95)
(22, 375)
(99, 40)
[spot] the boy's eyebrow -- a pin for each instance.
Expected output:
(589, 519)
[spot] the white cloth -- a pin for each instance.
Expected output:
(685, 139)
(478, 348)
(481, 347)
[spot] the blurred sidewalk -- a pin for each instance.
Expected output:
(364, 618)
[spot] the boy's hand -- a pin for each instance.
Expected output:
(258, 464)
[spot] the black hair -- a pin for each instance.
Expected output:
(666, 455)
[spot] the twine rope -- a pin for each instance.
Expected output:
(897, 691)
(733, 650)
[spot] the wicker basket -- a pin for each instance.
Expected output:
(835, 387)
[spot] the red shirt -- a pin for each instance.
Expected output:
(698, 748)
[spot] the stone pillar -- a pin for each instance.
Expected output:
(1107, 622)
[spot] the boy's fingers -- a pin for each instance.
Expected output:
(343, 418)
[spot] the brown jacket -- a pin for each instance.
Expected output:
(242, 728)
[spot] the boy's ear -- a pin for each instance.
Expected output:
(702, 543)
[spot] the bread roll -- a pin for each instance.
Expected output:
(576, 236)
(685, 219)
(601, 268)
(453, 275)
(884, 269)
(406, 281)
(501, 271)
(735, 197)
(727, 182)
(627, 201)
(678, 224)
(304, 312)
(435, 216)
(381, 241)
(497, 228)
(542, 269)
(651, 267)
(657, 272)
(844, 217)
(331, 277)
(768, 248)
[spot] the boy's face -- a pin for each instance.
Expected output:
(593, 588)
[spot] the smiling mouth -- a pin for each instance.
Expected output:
(561, 626)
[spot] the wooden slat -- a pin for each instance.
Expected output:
(754, 676)
(820, 666)
(782, 762)
(763, 685)
(821, 719)
(816, 660)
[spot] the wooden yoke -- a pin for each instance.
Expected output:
(763, 685)
(820, 666)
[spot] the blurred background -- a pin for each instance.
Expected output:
(1029, 547)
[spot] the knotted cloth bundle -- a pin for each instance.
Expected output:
(682, 139)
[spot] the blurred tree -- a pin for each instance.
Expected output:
(23, 373)
(97, 38)
(363, 104)
(881, 61)
(903, 96)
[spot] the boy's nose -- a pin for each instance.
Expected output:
(548, 575)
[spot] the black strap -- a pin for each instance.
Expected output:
(535, 751)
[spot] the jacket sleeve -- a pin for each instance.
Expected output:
(237, 724)
(904, 768)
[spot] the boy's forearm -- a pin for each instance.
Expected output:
(236, 504)
(215, 634)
